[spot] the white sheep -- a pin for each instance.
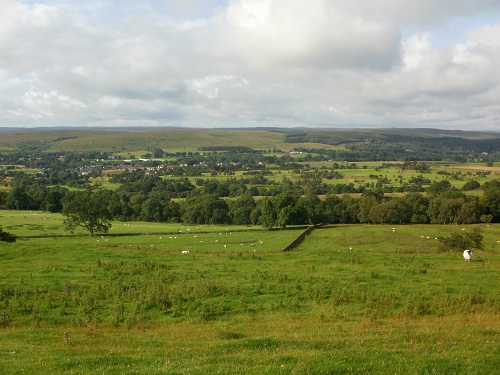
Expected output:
(468, 255)
(185, 251)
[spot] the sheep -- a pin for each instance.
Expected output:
(468, 255)
(185, 251)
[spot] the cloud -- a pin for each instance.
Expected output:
(294, 33)
(422, 13)
(250, 62)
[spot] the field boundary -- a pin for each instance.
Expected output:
(157, 233)
(299, 238)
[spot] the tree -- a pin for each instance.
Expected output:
(205, 209)
(87, 210)
(268, 213)
(327, 209)
(18, 199)
(491, 199)
(366, 203)
(439, 187)
(285, 210)
(53, 199)
(445, 210)
(241, 209)
(311, 205)
(388, 212)
(470, 211)
(471, 185)
(415, 208)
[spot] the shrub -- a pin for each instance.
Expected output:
(6, 236)
(457, 241)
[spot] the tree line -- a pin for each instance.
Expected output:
(94, 210)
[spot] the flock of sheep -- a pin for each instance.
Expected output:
(467, 254)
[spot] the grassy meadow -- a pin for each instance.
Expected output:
(361, 299)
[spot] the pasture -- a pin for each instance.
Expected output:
(45, 224)
(350, 299)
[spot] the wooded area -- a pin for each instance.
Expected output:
(239, 184)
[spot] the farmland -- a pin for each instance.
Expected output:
(186, 271)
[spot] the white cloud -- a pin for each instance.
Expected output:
(294, 33)
(250, 62)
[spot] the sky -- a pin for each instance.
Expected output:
(251, 63)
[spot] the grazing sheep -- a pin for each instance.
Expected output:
(185, 251)
(468, 255)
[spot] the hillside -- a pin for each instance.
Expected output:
(173, 140)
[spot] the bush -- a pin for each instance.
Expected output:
(460, 241)
(6, 236)
(471, 185)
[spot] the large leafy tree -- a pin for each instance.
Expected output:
(205, 209)
(240, 209)
(491, 199)
(87, 210)
(390, 211)
(282, 210)
(18, 199)
(415, 207)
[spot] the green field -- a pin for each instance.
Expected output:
(362, 299)
(39, 223)
(168, 298)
